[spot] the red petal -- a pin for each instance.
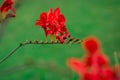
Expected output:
(91, 44)
(102, 60)
(6, 5)
(13, 10)
(50, 12)
(88, 60)
(62, 19)
(42, 21)
(76, 65)
(90, 76)
(108, 73)
(11, 14)
(57, 12)
(43, 17)
(50, 15)
(37, 23)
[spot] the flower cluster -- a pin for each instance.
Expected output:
(95, 65)
(53, 24)
(4, 9)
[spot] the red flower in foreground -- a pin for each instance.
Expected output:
(53, 24)
(95, 65)
(5, 7)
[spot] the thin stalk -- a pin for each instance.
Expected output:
(13, 51)
(33, 42)
(116, 56)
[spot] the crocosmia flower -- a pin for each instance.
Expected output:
(53, 24)
(5, 8)
(95, 65)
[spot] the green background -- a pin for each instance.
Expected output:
(100, 18)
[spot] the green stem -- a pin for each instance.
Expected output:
(31, 42)
(116, 58)
(13, 51)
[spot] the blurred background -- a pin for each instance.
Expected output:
(100, 18)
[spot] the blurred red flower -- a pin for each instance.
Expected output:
(5, 7)
(53, 24)
(95, 65)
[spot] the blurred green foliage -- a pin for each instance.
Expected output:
(100, 18)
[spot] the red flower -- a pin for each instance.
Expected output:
(95, 65)
(5, 7)
(93, 49)
(53, 24)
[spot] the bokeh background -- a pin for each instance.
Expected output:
(100, 18)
